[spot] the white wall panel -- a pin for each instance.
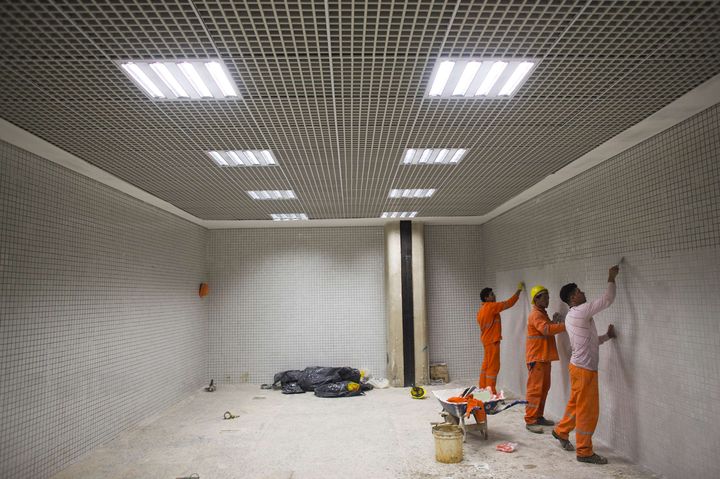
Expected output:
(658, 205)
(453, 279)
(288, 298)
(100, 322)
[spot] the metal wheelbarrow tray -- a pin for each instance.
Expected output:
(454, 413)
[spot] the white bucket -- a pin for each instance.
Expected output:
(448, 443)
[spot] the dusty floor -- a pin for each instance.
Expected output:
(385, 434)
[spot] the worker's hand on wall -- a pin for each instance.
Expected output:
(520, 286)
(611, 332)
(613, 273)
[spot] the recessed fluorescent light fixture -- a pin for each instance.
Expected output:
(288, 216)
(181, 79)
(243, 158)
(272, 195)
(399, 214)
(478, 77)
(433, 156)
(412, 193)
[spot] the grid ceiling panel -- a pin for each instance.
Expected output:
(337, 92)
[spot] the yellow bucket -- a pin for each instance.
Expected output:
(448, 443)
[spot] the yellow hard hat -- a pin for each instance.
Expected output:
(417, 392)
(538, 288)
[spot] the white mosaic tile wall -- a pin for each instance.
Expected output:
(658, 206)
(288, 298)
(453, 280)
(100, 322)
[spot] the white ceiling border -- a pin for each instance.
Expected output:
(693, 102)
(27, 141)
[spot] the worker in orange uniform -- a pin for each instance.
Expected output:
(488, 318)
(540, 350)
(583, 407)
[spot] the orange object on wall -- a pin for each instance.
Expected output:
(204, 290)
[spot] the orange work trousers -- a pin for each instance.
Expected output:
(582, 409)
(538, 385)
(490, 366)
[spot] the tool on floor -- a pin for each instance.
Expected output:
(194, 475)
(211, 388)
(417, 392)
(229, 415)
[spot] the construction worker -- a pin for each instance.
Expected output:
(540, 350)
(488, 318)
(583, 407)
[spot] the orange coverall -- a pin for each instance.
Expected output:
(584, 404)
(540, 350)
(488, 318)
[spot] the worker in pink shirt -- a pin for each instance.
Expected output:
(583, 408)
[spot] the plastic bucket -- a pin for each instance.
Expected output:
(448, 443)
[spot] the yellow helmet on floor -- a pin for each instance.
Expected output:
(538, 288)
(417, 392)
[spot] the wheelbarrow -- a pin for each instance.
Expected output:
(454, 413)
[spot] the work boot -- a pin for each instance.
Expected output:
(564, 443)
(594, 459)
(544, 422)
(536, 428)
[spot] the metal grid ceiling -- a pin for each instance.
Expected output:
(336, 91)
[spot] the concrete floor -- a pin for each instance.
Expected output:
(385, 434)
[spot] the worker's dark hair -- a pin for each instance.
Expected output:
(567, 291)
(485, 293)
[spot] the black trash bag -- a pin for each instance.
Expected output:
(286, 377)
(341, 389)
(366, 387)
(349, 374)
(292, 388)
(316, 376)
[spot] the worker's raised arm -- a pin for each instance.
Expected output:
(594, 307)
(509, 303)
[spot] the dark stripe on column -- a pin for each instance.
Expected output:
(408, 314)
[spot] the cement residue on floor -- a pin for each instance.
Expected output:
(384, 434)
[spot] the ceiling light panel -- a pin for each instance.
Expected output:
(433, 156)
(272, 195)
(411, 193)
(181, 79)
(478, 77)
(289, 216)
(399, 214)
(243, 158)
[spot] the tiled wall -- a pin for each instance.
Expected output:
(100, 321)
(453, 280)
(101, 325)
(288, 298)
(658, 206)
